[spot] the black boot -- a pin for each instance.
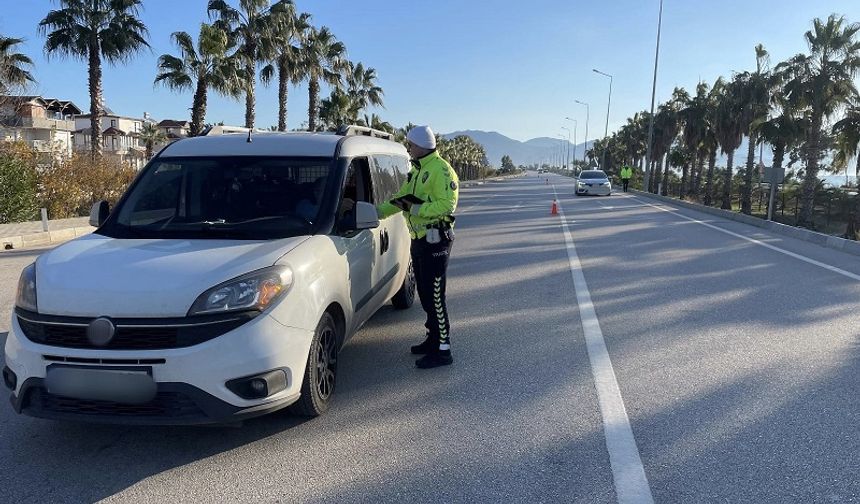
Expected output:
(435, 359)
(428, 345)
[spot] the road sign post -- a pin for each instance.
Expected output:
(775, 176)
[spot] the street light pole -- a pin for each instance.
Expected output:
(567, 153)
(653, 94)
(574, 137)
(606, 129)
(585, 149)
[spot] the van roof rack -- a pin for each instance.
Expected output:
(354, 130)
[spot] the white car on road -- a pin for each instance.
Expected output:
(593, 182)
(221, 287)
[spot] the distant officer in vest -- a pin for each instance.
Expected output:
(428, 200)
(626, 175)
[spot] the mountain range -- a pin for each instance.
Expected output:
(533, 151)
(541, 149)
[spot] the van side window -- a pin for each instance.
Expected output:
(402, 167)
(357, 187)
(385, 177)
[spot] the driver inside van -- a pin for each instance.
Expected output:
(309, 207)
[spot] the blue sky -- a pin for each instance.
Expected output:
(508, 66)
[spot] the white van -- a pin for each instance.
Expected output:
(221, 287)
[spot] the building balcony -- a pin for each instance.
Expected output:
(42, 123)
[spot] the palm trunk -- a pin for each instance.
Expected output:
(693, 165)
(810, 181)
(149, 148)
(198, 108)
(313, 99)
(684, 172)
(250, 102)
(700, 168)
(727, 182)
(282, 94)
(95, 84)
(665, 191)
(746, 192)
(709, 182)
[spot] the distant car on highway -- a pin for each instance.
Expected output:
(593, 182)
(221, 287)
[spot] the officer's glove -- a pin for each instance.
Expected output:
(415, 209)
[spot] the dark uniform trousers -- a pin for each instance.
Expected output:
(430, 262)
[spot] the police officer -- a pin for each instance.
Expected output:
(428, 199)
(626, 175)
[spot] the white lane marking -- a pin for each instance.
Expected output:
(476, 204)
(803, 258)
(628, 475)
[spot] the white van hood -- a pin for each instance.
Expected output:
(99, 276)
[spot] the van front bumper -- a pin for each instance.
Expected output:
(190, 383)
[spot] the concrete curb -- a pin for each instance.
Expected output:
(833, 242)
(43, 238)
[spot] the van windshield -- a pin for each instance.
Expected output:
(252, 198)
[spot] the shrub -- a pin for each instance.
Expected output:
(18, 183)
(71, 186)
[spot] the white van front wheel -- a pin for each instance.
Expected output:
(319, 379)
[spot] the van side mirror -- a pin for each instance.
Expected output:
(365, 216)
(99, 213)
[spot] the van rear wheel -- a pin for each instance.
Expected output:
(319, 379)
(406, 295)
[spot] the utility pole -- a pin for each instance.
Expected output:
(653, 94)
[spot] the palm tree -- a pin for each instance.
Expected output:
(206, 66)
(755, 100)
(251, 28)
(290, 30)
(728, 131)
(336, 110)
(665, 132)
(14, 66)
(694, 115)
(151, 136)
(362, 87)
(819, 84)
(710, 141)
(847, 132)
(376, 122)
(93, 30)
(323, 58)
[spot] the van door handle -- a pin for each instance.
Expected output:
(384, 242)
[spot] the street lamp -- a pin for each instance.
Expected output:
(653, 93)
(560, 149)
(586, 128)
(574, 137)
(567, 154)
(608, 103)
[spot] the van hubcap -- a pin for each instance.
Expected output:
(326, 363)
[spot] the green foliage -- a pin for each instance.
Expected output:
(18, 184)
(508, 165)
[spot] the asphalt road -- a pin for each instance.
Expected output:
(738, 368)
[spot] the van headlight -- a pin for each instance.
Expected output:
(26, 297)
(255, 291)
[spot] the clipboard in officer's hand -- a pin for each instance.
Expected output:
(406, 201)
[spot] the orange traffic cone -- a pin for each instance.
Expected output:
(554, 209)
